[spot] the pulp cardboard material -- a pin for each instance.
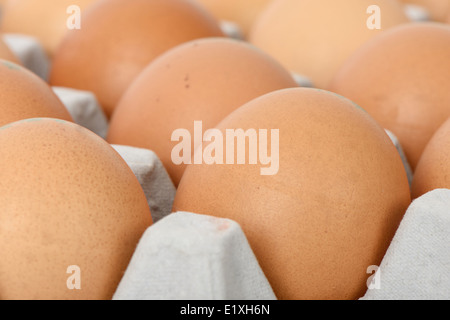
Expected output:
(186, 256)
(153, 177)
(416, 265)
(30, 52)
(84, 109)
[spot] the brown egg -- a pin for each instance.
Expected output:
(45, 20)
(24, 95)
(119, 38)
(322, 198)
(438, 9)
(203, 80)
(433, 169)
(71, 212)
(401, 79)
(313, 38)
(6, 53)
(244, 13)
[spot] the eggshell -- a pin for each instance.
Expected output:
(438, 9)
(202, 80)
(401, 79)
(332, 208)
(46, 20)
(24, 95)
(69, 207)
(244, 13)
(433, 169)
(313, 38)
(6, 53)
(119, 38)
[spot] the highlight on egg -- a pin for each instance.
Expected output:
(71, 212)
(331, 209)
(201, 80)
(119, 38)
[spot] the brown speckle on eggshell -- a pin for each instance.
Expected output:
(119, 38)
(202, 80)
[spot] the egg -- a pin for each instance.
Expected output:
(438, 9)
(6, 53)
(401, 79)
(433, 169)
(243, 13)
(319, 202)
(313, 38)
(119, 38)
(203, 80)
(24, 95)
(71, 212)
(46, 20)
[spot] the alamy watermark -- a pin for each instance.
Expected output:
(374, 281)
(74, 20)
(374, 20)
(74, 280)
(214, 147)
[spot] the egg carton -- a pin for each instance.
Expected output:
(188, 256)
(193, 257)
(30, 53)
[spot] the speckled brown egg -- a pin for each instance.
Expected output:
(46, 20)
(438, 9)
(433, 169)
(401, 78)
(24, 95)
(313, 38)
(71, 212)
(203, 80)
(243, 13)
(119, 38)
(322, 199)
